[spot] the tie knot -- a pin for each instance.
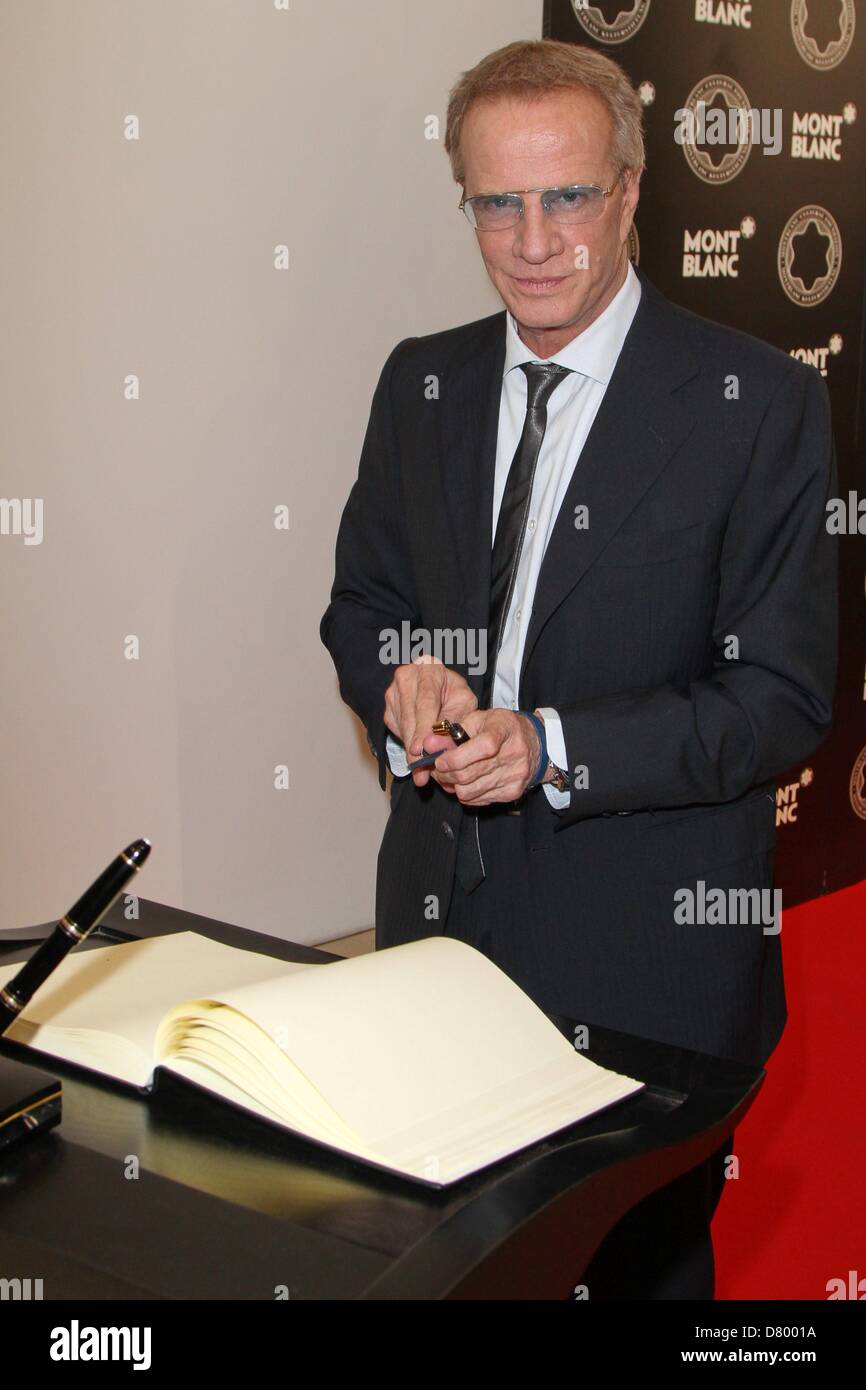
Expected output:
(542, 378)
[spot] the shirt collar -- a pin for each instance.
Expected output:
(593, 352)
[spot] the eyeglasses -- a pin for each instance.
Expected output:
(579, 202)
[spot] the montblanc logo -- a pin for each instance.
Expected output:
(856, 787)
(829, 55)
(718, 126)
(788, 798)
(819, 357)
(625, 26)
(810, 255)
(818, 134)
(713, 253)
(732, 13)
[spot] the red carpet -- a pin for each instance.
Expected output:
(796, 1216)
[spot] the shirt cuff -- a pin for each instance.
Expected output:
(560, 801)
(397, 757)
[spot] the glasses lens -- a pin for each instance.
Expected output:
(573, 204)
(499, 210)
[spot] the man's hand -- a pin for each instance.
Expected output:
(418, 696)
(498, 762)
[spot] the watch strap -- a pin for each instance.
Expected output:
(559, 777)
(538, 723)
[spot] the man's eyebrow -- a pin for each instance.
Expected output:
(566, 183)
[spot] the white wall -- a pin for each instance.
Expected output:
(155, 257)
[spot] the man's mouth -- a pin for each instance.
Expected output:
(534, 285)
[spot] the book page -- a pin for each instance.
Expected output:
(424, 1057)
(102, 1007)
(429, 1048)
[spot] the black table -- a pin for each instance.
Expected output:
(227, 1207)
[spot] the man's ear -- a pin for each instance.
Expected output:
(631, 183)
(631, 190)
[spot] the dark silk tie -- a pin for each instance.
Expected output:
(541, 380)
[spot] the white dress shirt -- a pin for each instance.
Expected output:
(572, 406)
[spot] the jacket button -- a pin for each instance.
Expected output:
(448, 831)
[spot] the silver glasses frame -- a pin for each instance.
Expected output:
(519, 192)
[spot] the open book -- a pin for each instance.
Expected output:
(424, 1059)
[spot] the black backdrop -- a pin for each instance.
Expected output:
(777, 241)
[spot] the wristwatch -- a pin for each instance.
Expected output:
(558, 778)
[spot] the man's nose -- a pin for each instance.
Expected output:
(537, 236)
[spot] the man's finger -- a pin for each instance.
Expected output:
(478, 749)
(428, 706)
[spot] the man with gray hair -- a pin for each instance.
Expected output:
(646, 553)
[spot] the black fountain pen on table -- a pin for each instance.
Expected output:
(30, 1100)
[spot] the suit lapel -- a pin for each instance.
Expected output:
(471, 395)
(639, 426)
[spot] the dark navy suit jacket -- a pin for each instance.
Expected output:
(705, 474)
